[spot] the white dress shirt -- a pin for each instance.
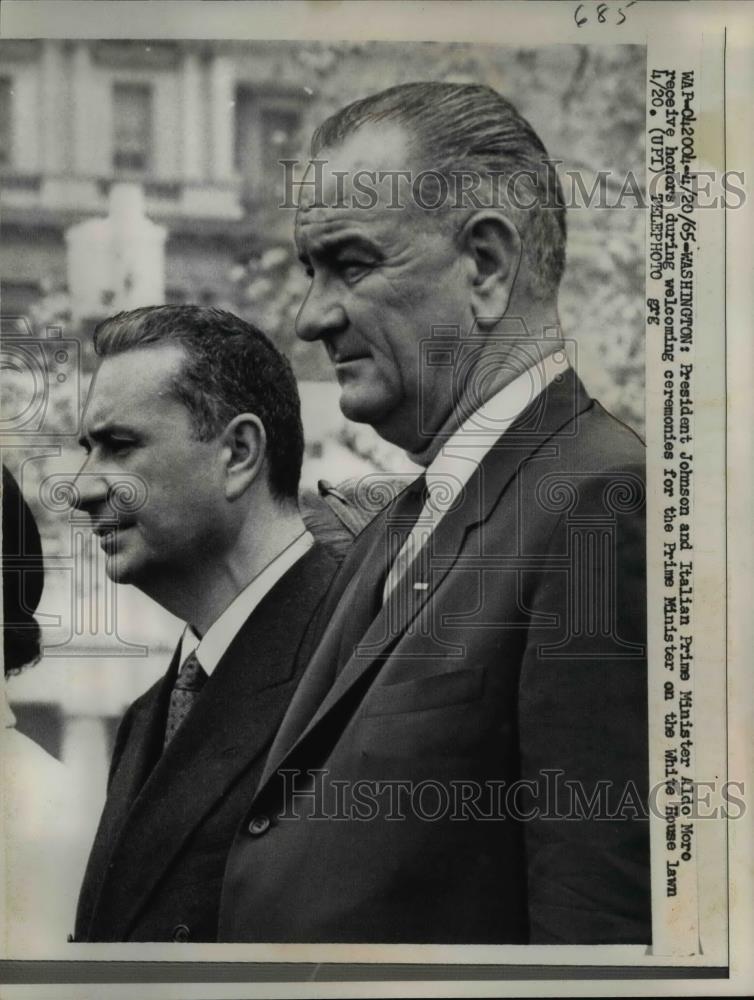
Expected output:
(218, 637)
(463, 452)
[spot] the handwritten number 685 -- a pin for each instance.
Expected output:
(601, 10)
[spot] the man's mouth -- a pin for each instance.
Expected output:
(343, 355)
(347, 359)
(109, 534)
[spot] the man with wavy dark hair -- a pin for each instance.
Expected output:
(474, 720)
(193, 441)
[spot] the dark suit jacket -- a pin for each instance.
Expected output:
(155, 869)
(523, 660)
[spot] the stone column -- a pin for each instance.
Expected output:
(82, 97)
(221, 114)
(51, 118)
(86, 754)
(192, 116)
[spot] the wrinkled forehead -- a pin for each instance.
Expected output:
(341, 170)
(363, 181)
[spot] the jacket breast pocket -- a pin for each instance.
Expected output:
(457, 687)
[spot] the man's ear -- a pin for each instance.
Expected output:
(244, 445)
(493, 246)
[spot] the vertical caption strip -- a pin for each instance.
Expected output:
(672, 233)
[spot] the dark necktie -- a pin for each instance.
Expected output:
(186, 690)
(401, 519)
(365, 597)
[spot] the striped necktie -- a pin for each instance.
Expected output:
(186, 690)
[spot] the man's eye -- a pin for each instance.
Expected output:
(120, 445)
(352, 270)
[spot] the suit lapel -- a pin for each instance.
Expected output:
(134, 756)
(560, 404)
(240, 709)
(319, 674)
(346, 613)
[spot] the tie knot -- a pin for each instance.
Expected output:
(408, 505)
(419, 486)
(423, 491)
(192, 674)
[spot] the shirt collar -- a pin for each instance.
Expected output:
(461, 454)
(218, 637)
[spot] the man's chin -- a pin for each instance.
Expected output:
(365, 407)
(119, 570)
(391, 425)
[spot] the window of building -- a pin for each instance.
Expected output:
(18, 297)
(132, 126)
(280, 128)
(6, 120)
(268, 129)
(175, 296)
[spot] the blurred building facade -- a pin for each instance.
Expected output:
(200, 125)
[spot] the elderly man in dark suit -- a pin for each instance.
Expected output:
(473, 724)
(194, 446)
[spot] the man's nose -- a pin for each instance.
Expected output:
(90, 489)
(320, 315)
